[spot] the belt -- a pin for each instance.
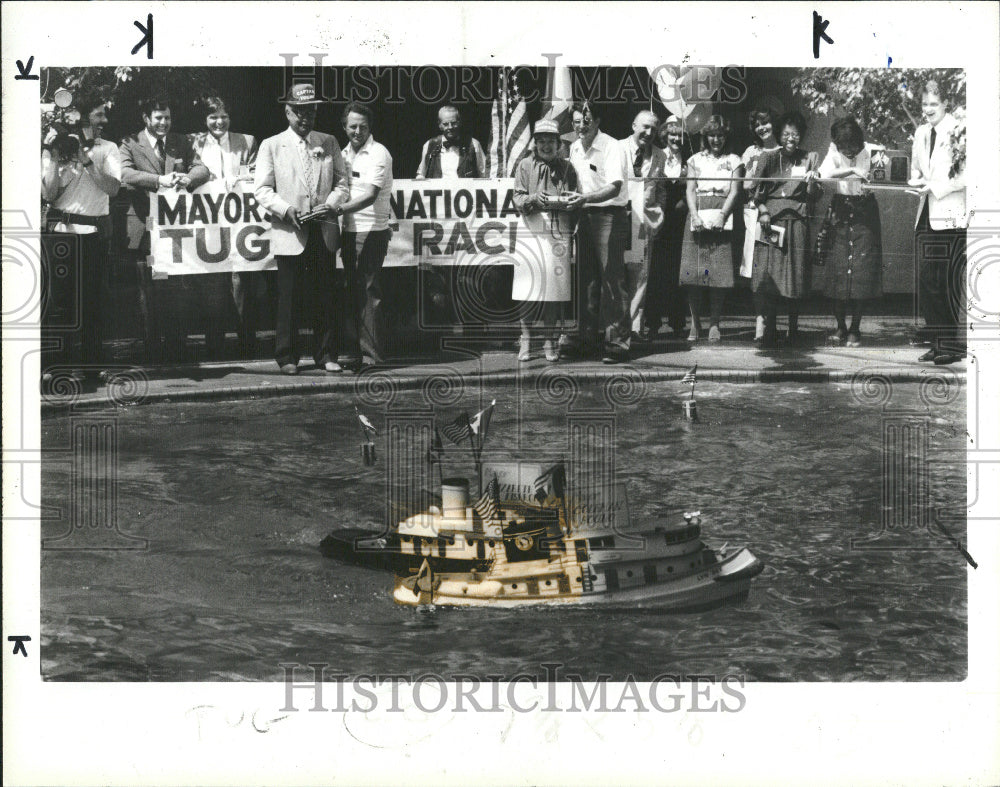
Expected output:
(60, 216)
(604, 209)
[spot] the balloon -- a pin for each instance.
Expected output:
(682, 89)
(697, 117)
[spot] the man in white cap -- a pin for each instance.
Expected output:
(302, 181)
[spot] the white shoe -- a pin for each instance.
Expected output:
(524, 349)
(564, 341)
(551, 353)
(759, 328)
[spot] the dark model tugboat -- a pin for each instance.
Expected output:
(514, 552)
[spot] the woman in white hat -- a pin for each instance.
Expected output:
(545, 192)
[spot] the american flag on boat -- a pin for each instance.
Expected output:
(488, 505)
(691, 375)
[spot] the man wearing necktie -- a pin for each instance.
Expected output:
(451, 154)
(647, 190)
(152, 159)
(940, 232)
(301, 180)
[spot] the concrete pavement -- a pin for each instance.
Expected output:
(885, 352)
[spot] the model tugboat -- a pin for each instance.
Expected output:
(513, 552)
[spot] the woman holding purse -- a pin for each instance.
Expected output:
(713, 188)
(780, 263)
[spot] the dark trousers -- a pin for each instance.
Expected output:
(73, 267)
(941, 256)
(307, 295)
(364, 321)
(603, 233)
(246, 298)
(664, 296)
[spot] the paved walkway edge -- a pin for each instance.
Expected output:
(381, 384)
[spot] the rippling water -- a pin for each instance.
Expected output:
(235, 497)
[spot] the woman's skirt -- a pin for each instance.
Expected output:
(707, 255)
(853, 262)
(542, 263)
(784, 268)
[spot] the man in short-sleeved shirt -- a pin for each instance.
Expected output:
(603, 170)
(77, 182)
(366, 236)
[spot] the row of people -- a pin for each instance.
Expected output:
(308, 183)
(692, 260)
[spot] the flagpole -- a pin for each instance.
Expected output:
(503, 124)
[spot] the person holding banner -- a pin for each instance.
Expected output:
(541, 185)
(603, 170)
(302, 181)
(783, 197)
(451, 154)
(707, 251)
(366, 236)
(154, 159)
(228, 157)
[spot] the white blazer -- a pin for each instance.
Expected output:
(280, 183)
(947, 195)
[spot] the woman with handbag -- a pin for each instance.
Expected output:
(780, 264)
(852, 247)
(713, 188)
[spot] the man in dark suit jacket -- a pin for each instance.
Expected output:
(151, 159)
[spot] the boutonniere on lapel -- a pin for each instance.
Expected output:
(317, 152)
(956, 139)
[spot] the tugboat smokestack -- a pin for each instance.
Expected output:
(454, 497)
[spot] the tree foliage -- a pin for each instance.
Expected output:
(123, 88)
(885, 101)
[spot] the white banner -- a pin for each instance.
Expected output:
(220, 228)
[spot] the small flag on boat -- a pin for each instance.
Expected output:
(436, 450)
(691, 375)
(480, 422)
(369, 432)
(551, 483)
(459, 431)
(369, 428)
(424, 582)
(488, 505)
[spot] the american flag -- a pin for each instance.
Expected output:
(458, 431)
(690, 376)
(509, 130)
(488, 505)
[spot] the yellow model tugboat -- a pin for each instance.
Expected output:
(518, 553)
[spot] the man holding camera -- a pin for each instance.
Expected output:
(80, 171)
(152, 159)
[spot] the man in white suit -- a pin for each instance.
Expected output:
(301, 180)
(941, 223)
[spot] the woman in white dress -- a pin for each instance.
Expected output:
(545, 193)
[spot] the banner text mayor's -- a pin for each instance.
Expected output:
(219, 227)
